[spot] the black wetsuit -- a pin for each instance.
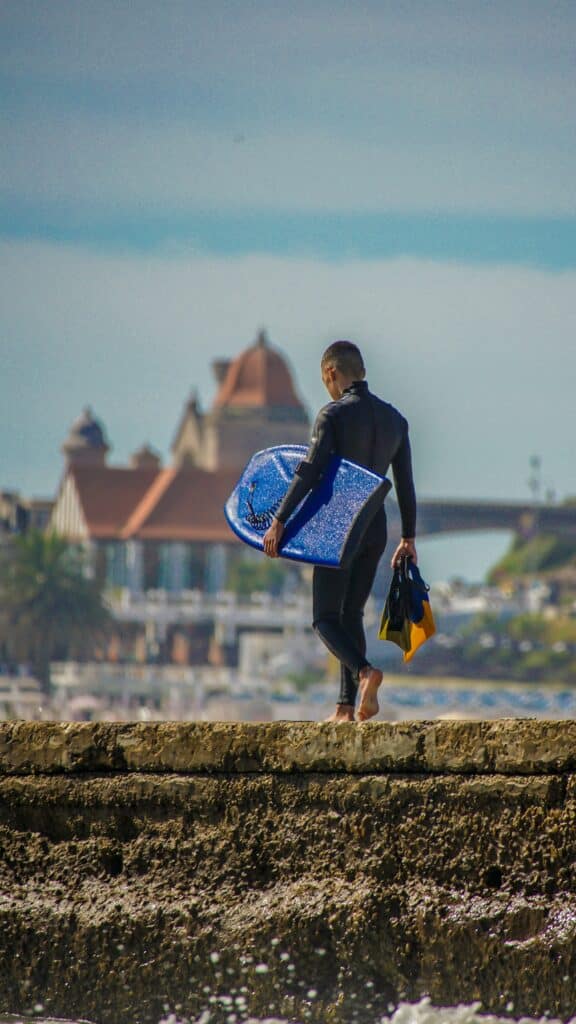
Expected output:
(372, 433)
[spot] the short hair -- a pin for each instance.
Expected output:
(346, 357)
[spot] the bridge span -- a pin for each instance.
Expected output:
(443, 515)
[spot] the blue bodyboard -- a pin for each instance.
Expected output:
(327, 527)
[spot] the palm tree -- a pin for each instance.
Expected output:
(48, 606)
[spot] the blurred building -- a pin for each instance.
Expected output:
(148, 526)
(18, 514)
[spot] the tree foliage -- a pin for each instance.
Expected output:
(48, 606)
(542, 553)
(528, 647)
(248, 576)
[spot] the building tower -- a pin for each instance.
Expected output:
(86, 443)
(256, 406)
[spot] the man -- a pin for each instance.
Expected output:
(357, 426)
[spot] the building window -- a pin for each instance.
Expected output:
(115, 565)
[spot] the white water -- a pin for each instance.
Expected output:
(411, 1013)
(406, 1013)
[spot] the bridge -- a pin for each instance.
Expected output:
(443, 515)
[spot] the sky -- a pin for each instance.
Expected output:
(175, 176)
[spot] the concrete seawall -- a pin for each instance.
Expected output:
(317, 872)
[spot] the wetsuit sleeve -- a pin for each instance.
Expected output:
(404, 484)
(309, 472)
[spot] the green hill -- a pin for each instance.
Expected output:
(540, 554)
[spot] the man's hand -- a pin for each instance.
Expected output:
(272, 538)
(405, 548)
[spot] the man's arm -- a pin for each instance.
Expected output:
(306, 476)
(406, 495)
(310, 470)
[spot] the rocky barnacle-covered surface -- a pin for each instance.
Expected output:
(311, 872)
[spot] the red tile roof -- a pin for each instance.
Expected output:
(148, 502)
(258, 377)
(108, 495)
(175, 504)
(187, 505)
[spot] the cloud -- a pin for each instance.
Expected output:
(115, 40)
(110, 166)
(481, 360)
(311, 106)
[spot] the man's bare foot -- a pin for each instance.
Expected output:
(370, 679)
(343, 713)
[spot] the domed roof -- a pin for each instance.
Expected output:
(86, 433)
(258, 377)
